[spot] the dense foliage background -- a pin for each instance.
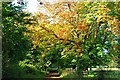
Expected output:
(77, 34)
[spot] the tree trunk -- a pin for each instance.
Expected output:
(79, 72)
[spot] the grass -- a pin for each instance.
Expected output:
(106, 74)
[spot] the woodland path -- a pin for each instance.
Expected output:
(52, 76)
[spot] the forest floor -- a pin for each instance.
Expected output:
(53, 76)
(109, 74)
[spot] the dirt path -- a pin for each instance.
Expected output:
(52, 76)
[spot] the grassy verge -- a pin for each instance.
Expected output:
(107, 75)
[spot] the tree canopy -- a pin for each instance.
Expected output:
(83, 34)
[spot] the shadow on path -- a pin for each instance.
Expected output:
(53, 76)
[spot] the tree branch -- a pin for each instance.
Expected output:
(56, 36)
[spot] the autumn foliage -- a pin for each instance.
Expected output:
(83, 34)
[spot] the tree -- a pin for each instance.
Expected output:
(78, 33)
(15, 44)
